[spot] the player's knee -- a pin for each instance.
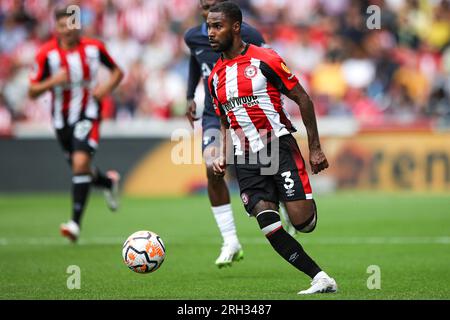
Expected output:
(310, 224)
(262, 206)
(80, 164)
(76, 170)
(269, 221)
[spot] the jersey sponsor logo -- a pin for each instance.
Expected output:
(199, 51)
(245, 198)
(250, 72)
(248, 101)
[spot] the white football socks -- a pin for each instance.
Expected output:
(225, 222)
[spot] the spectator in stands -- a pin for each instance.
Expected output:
(404, 68)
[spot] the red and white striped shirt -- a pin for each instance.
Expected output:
(73, 101)
(247, 89)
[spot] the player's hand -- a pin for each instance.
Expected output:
(99, 92)
(191, 109)
(219, 166)
(60, 78)
(317, 160)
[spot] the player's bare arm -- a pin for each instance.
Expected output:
(194, 77)
(191, 109)
(317, 158)
(106, 88)
(219, 164)
(38, 88)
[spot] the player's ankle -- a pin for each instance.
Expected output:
(231, 240)
(321, 274)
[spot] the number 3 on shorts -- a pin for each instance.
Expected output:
(287, 178)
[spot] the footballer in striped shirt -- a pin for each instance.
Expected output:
(247, 84)
(67, 66)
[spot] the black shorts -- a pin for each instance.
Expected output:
(288, 181)
(82, 136)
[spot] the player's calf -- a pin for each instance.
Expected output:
(303, 214)
(220, 205)
(284, 244)
(286, 221)
(287, 247)
(213, 178)
(310, 224)
(112, 192)
(217, 188)
(101, 180)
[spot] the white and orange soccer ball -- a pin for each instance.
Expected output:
(143, 252)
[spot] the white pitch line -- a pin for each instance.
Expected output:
(394, 240)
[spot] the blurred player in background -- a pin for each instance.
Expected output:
(202, 61)
(67, 66)
(246, 84)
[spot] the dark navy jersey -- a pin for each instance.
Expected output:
(203, 58)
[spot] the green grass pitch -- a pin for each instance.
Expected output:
(407, 236)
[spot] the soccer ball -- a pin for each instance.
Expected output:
(143, 252)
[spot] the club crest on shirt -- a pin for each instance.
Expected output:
(285, 68)
(250, 72)
(244, 198)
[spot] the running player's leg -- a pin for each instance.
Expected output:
(83, 140)
(219, 197)
(108, 181)
(99, 179)
(295, 191)
(70, 229)
(286, 221)
(294, 187)
(285, 245)
(83, 146)
(302, 214)
(259, 194)
(81, 183)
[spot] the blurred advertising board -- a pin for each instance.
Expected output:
(390, 161)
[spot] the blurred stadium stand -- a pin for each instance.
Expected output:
(400, 73)
(395, 79)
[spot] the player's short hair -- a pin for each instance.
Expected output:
(230, 9)
(61, 12)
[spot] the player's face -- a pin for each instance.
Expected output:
(220, 32)
(64, 33)
(205, 5)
